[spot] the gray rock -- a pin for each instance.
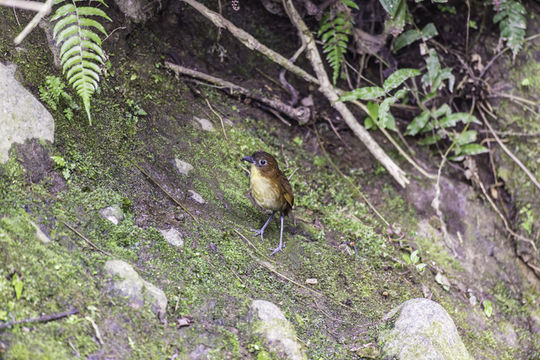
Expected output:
(137, 11)
(277, 333)
(173, 237)
(420, 329)
(195, 196)
(22, 116)
(205, 124)
(40, 234)
(182, 166)
(113, 213)
(138, 290)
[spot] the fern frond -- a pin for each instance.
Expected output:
(334, 33)
(512, 24)
(80, 54)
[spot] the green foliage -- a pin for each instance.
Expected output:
(413, 259)
(435, 77)
(379, 115)
(17, 286)
(53, 94)
(488, 308)
(80, 54)
(334, 31)
(410, 36)
(512, 23)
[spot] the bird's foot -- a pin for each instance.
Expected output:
(279, 248)
(258, 232)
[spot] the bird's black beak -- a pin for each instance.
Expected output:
(248, 159)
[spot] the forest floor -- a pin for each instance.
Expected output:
(146, 118)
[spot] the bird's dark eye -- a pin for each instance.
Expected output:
(262, 162)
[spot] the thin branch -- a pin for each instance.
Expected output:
(505, 149)
(332, 95)
(86, 239)
(219, 117)
(41, 319)
(44, 10)
(23, 4)
(300, 114)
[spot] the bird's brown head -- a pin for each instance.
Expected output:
(263, 162)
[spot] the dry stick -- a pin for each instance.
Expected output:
(300, 114)
(219, 117)
(23, 4)
(505, 149)
(165, 191)
(86, 239)
(249, 41)
(44, 318)
(496, 209)
(327, 89)
(45, 9)
(332, 95)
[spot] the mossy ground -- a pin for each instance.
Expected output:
(217, 273)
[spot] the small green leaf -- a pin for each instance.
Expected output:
(420, 267)
(414, 257)
(473, 149)
(351, 4)
(365, 93)
(17, 285)
(398, 77)
(407, 258)
(466, 137)
(406, 38)
(488, 308)
(430, 140)
(443, 110)
(429, 31)
(373, 109)
(417, 124)
(391, 6)
(386, 119)
(369, 124)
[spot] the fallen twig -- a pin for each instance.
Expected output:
(44, 10)
(42, 319)
(300, 114)
(219, 117)
(331, 94)
(505, 149)
(165, 191)
(86, 239)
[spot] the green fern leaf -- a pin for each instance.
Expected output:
(81, 54)
(512, 24)
(334, 33)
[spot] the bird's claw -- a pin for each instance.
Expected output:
(258, 232)
(279, 248)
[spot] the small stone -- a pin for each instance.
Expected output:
(182, 166)
(173, 237)
(385, 294)
(195, 196)
(40, 234)
(311, 281)
(276, 331)
(113, 213)
(22, 116)
(421, 329)
(138, 290)
(205, 124)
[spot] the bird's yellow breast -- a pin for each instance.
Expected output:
(264, 191)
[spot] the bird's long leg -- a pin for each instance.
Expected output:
(280, 247)
(261, 231)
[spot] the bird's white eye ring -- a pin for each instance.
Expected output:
(262, 162)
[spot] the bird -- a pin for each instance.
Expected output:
(269, 189)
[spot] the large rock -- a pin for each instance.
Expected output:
(277, 333)
(420, 329)
(131, 285)
(22, 116)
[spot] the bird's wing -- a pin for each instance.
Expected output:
(287, 189)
